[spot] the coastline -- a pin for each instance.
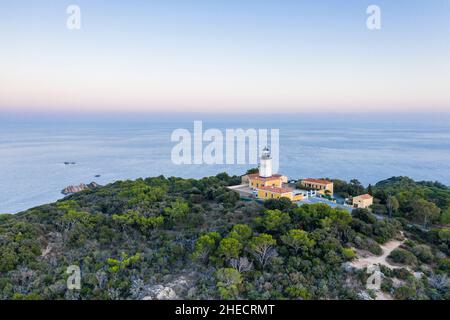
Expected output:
(370, 149)
(60, 196)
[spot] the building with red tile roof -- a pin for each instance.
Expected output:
(267, 184)
(320, 185)
(363, 201)
(277, 193)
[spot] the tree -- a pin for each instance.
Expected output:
(283, 204)
(445, 217)
(125, 260)
(8, 259)
(392, 205)
(67, 205)
(73, 218)
(355, 188)
(370, 189)
(262, 248)
(241, 232)
(341, 188)
(424, 211)
(274, 220)
(139, 220)
(229, 248)
(386, 229)
(338, 221)
(298, 239)
(228, 283)
(364, 214)
(178, 210)
(298, 292)
(241, 264)
(252, 171)
(141, 195)
(205, 245)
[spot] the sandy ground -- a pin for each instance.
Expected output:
(370, 259)
(383, 296)
(388, 247)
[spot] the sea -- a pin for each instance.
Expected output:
(107, 148)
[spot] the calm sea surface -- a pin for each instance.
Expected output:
(33, 151)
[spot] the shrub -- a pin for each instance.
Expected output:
(423, 253)
(369, 245)
(402, 274)
(348, 253)
(444, 264)
(228, 281)
(405, 293)
(298, 292)
(364, 215)
(387, 285)
(402, 256)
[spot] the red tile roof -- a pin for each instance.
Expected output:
(364, 197)
(276, 190)
(255, 176)
(318, 181)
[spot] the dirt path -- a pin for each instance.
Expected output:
(366, 261)
(363, 262)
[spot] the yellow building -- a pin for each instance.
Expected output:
(267, 184)
(363, 201)
(267, 193)
(321, 186)
(255, 181)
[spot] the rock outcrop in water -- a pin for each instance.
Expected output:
(74, 189)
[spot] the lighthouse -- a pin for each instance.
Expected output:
(265, 165)
(268, 185)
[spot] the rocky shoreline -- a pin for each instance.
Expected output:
(81, 187)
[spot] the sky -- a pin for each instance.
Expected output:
(224, 56)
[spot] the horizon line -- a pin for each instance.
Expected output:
(231, 112)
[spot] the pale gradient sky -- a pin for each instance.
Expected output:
(225, 55)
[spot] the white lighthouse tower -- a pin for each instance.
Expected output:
(265, 165)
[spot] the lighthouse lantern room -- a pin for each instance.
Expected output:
(265, 166)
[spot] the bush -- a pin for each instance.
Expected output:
(444, 264)
(402, 274)
(364, 215)
(387, 285)
(298, 292)
(402, 256)
(405, 293)
(348, 253)
(282, 204)
(423, 253)
(369, 245)
(385, 230)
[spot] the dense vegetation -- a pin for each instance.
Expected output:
(196, 239)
